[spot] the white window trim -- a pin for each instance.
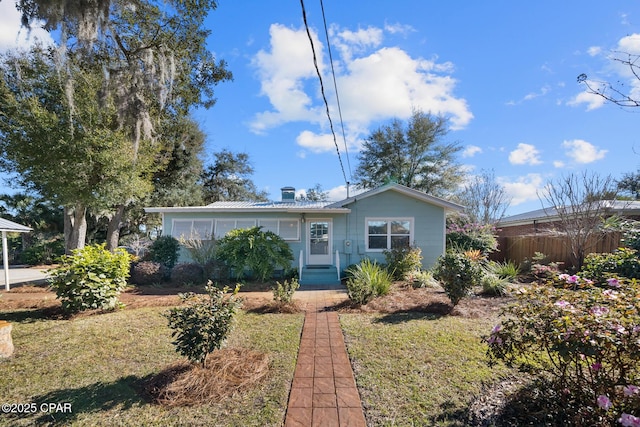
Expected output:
(191, 220)
(278, 221)
(388, 219)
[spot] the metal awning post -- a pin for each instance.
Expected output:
(5, 259)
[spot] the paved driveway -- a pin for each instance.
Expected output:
(18, 275)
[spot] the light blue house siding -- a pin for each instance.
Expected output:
(428, 222)
(326, 233)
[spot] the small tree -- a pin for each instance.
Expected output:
(580, 202)
(203, 324)
(165, 250)
(254, 249)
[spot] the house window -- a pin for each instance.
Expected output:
(288, 229)
(224, 226)
(388, 233)
(192, 228)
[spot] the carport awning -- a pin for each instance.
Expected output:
(7, 226)
(10, 226)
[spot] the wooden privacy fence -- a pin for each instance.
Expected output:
(556, 247)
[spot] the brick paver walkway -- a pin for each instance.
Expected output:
(324, 390)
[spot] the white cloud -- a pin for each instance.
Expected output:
(593, 101)
(399, 28)
(583, 152)
(525, 154)
(594, 50)
(523, 189)
(316, 143)
(558, 164)
(375, 83)
(471, 150)
(340, 192)
(12, 35)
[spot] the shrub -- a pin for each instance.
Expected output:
(367, 280)
(203, 324)
(165, 250)
(147, 273)
(458, 274)
(188, 273)
(623, 262)
(586, 343)
(463, 235)
(259, 251)
(283, 292)
(91, 278)
(403, 260)
(46, 252)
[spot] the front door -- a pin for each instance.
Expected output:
(319, 242)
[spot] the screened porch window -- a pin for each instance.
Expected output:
(388, 233)
(192, 229)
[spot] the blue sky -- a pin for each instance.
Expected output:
(503, 72)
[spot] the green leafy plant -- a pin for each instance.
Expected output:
(508, 270)
(585, 343)
(367, 280)
(458, 274)
(165, 250)
(421, 279)
(283, 292)
(623, 262)
(493, 285)
(203, 323)
(44, 252)
(91, 278)
(403, 260)
(256, 250)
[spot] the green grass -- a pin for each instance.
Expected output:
(414, 369)
(99, 363)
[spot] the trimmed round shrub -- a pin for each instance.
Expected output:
(457, 274)
(187, 273)
(165, 250)
(91, 278)
(147, 273)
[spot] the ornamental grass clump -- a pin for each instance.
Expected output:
(367, 280)
(91, 278)
(582, 341)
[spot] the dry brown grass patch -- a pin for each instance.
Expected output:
(227, 372)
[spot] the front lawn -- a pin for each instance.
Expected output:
(100, 364)
(414, 368)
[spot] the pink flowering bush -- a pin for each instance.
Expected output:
(584, 340)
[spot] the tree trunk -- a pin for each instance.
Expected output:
(75, 227)
(113, 231)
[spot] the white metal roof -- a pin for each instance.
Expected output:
(6, 225)
(621, 207)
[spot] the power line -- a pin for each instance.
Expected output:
(335, 86)
(326, 103)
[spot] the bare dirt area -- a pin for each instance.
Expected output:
(257, 297)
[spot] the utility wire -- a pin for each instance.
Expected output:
(335, 86)
(326, 103)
